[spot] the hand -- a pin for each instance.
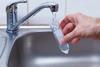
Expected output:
(79, 26)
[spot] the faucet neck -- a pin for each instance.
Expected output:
(13, 24)
(12, 18)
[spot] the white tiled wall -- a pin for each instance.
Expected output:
(41, 18)
(88, 7)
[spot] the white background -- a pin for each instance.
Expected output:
(88, 7)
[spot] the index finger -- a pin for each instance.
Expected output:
(64, 22)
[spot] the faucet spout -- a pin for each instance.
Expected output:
(53, 8)
(12, 22)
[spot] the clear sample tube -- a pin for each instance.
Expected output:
(58, 34)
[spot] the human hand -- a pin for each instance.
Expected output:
(77, 26)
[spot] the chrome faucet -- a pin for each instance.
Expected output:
(12, 22)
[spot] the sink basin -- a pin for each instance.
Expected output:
(39, 49)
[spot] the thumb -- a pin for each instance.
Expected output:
(68, 37)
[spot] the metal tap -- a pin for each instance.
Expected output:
(12, 22)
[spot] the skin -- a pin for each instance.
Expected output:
(78, 26)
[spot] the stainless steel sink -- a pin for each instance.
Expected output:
(39, 49)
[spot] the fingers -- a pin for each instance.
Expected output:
(68, 25)
(62, 24)
(65, 21)
(69, 37)
(68, 28)
(75, 40)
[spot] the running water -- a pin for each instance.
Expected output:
(58, 34)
